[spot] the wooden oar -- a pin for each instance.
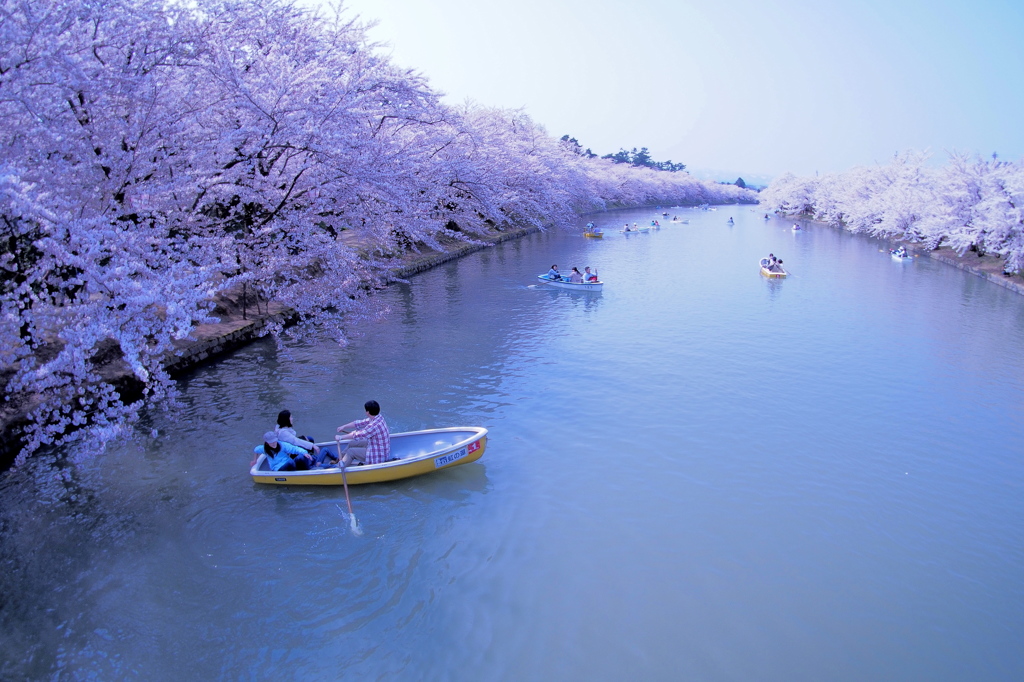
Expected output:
(344, 482)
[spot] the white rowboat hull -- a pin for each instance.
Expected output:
(573, 286)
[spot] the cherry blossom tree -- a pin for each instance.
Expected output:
(158, 155)
(968, 204)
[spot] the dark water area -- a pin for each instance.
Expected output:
(697, 473)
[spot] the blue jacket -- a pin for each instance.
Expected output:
(286, 453)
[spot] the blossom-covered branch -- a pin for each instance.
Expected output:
(155, 155)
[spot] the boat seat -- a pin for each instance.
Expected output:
(264, 465)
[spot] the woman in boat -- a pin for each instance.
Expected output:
(283, 456)
(285, 431)
(589, 276)
(553, 273)
(576, 277)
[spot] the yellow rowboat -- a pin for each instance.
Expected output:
(416, 453)
(775, 271)
(594, 234)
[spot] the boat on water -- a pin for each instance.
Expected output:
(796, 227)
(900, 255)
(772, 271)
(594, 234)
(573, 286)
(414, 453)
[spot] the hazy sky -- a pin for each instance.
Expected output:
(751, 87)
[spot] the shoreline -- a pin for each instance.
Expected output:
(986, 267)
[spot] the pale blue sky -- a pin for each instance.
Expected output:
(751, 87)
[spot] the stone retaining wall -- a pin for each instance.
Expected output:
(202, 350)
(983, 266)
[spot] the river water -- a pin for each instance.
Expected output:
(695, 474)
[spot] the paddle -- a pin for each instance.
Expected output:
(344, 481)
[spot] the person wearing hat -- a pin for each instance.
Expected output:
(283, 456)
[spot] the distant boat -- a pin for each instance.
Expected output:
(901, 257)
(796, 227)
(772, 271)
(594, 233)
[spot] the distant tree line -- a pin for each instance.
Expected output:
(637, 159)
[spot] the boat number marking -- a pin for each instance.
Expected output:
(474, 446)
(449, 458)
(280, 479)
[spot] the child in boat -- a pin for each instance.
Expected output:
(576, 277)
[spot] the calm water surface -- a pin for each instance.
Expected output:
(696, 474)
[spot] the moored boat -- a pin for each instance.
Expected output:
(574, 286)
(772, 271)
(413, 452)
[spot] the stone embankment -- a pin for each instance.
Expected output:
(989, 267)
(210, 340)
